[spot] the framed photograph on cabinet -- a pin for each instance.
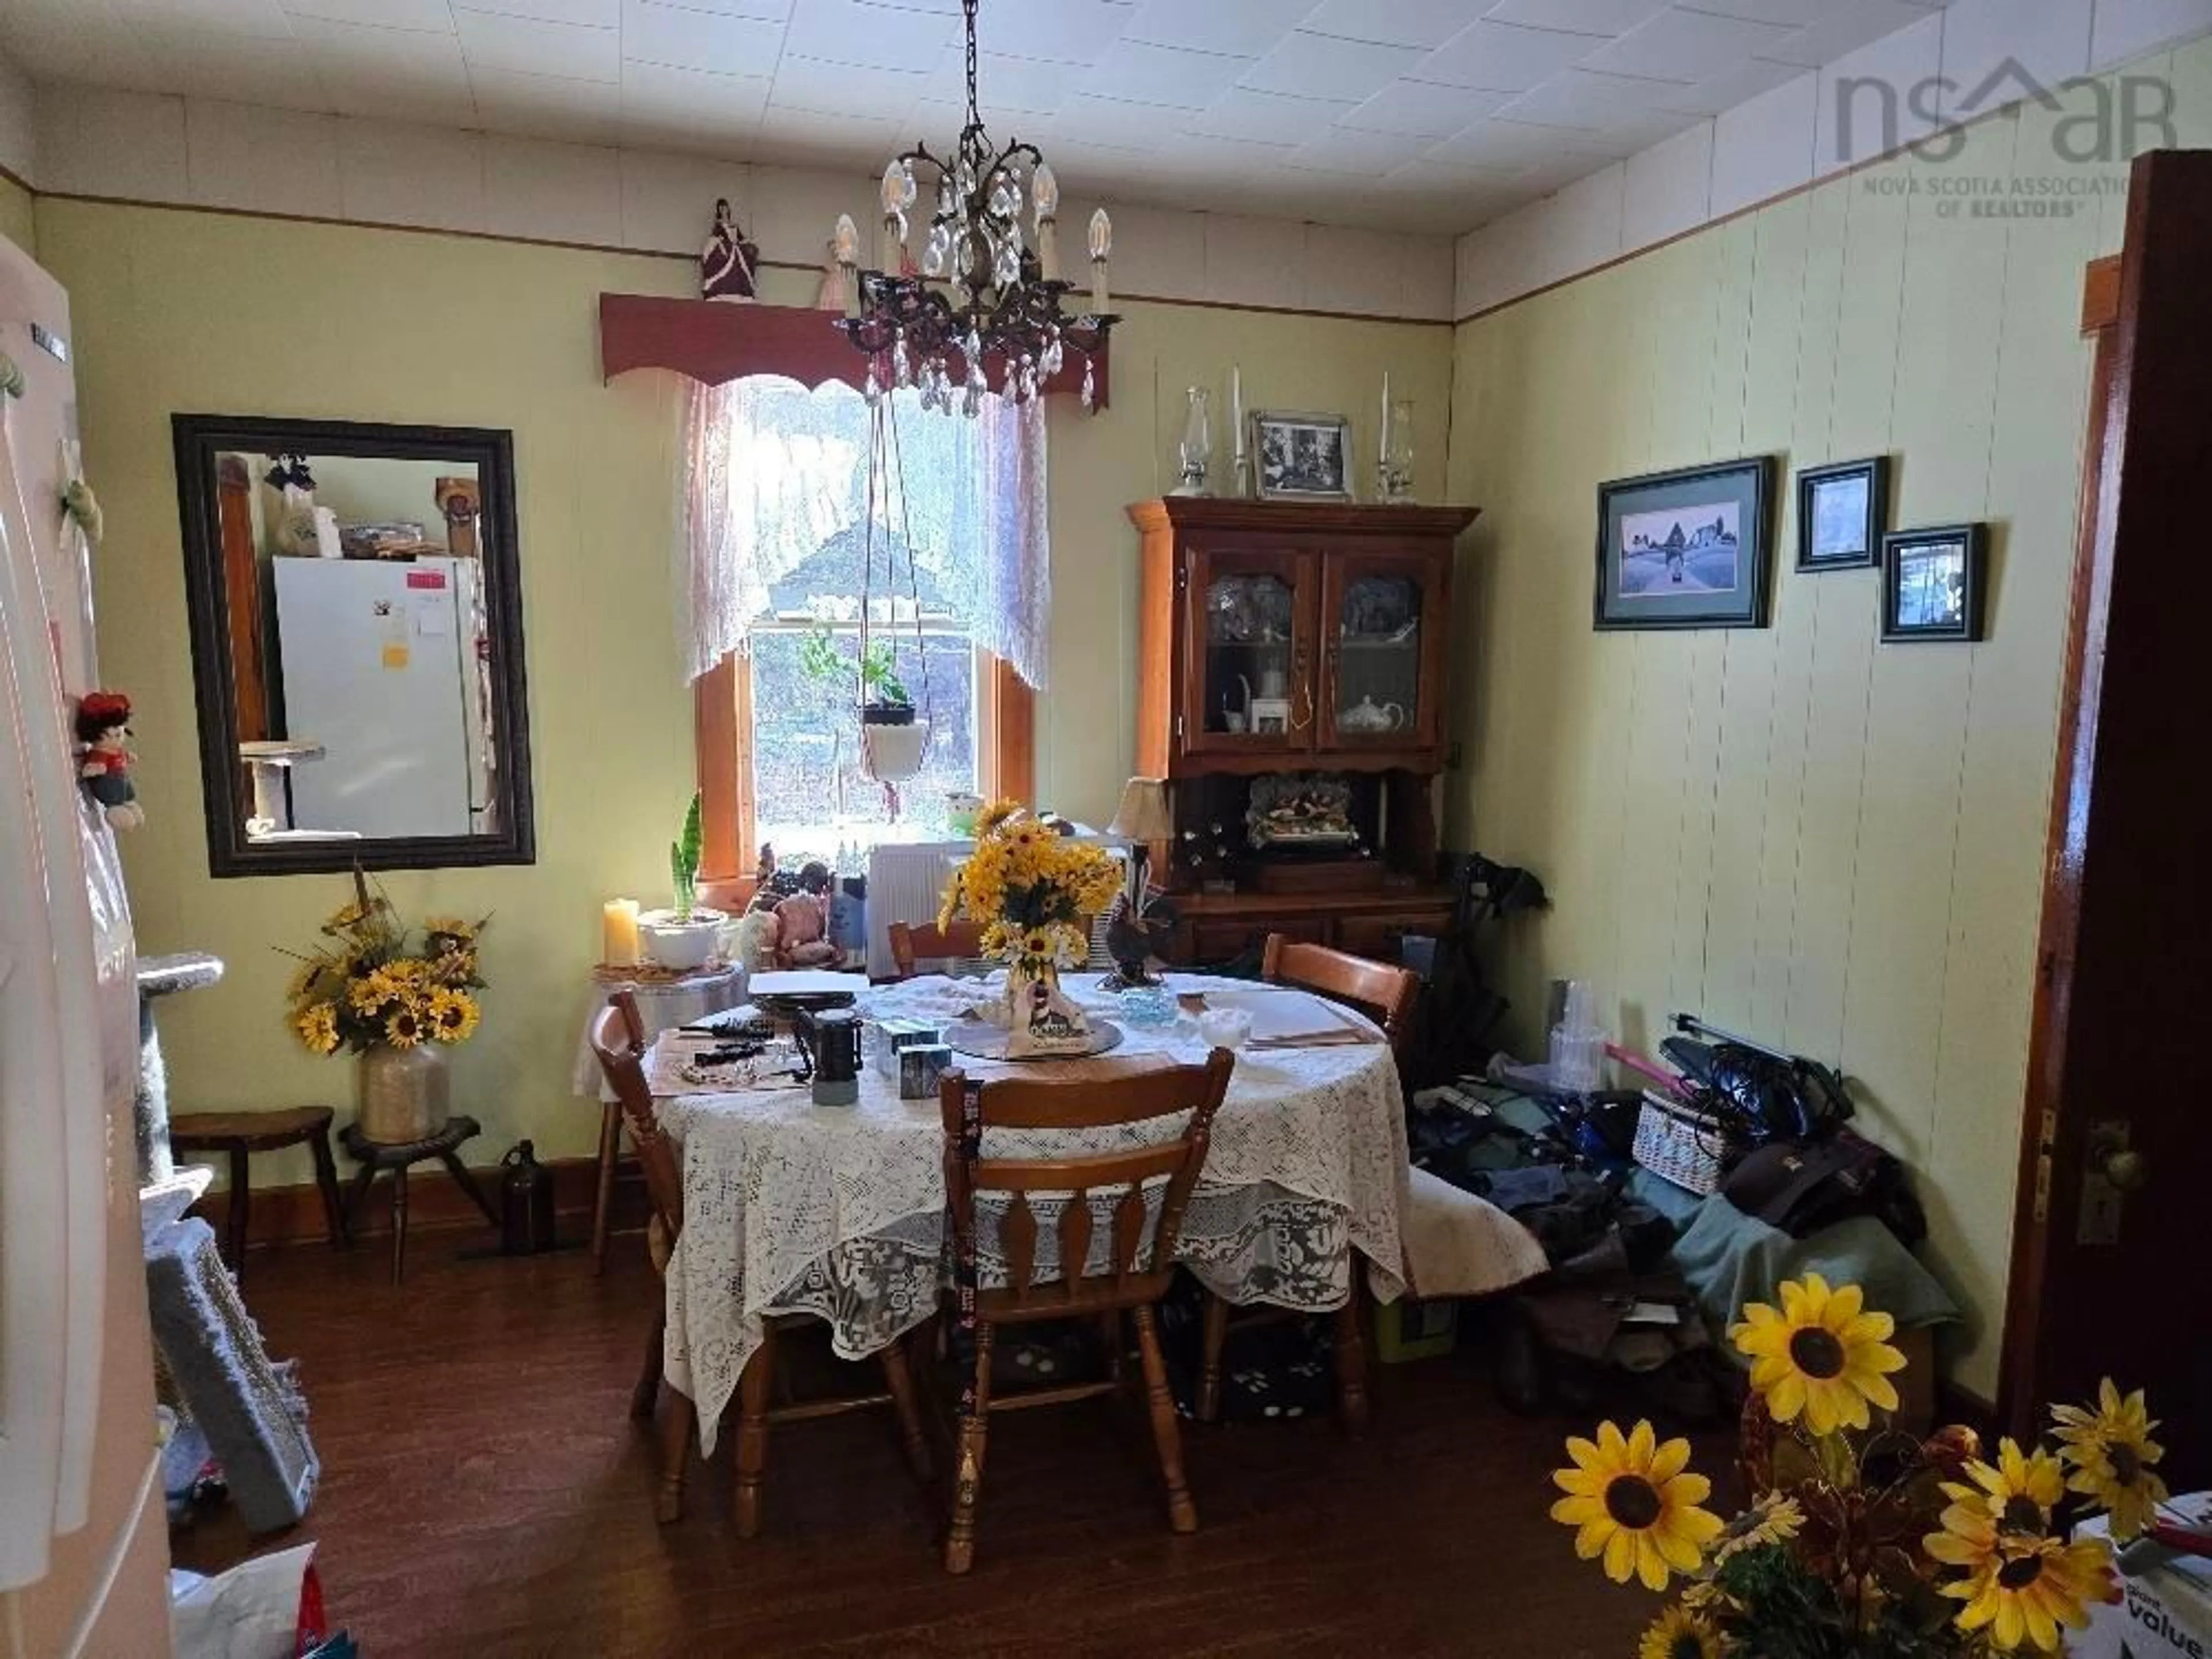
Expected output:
(1843, 511)
(1303, 458)
(1933, 583)
(1691, 549)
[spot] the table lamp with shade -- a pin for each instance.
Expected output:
(1139, 926)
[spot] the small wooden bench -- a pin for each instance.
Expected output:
(238, 1136)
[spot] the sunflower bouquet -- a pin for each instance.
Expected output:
(364, 987)
(1860, 1542)
(1030, 887)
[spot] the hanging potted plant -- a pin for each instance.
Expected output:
(397, 1009)
(687, 935)
(892, 740)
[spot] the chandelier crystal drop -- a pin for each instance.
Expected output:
(982, 309)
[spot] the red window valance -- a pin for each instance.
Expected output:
(713, 341)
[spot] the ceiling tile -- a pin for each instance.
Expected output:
(1503, 57)
(1343, 149)
(1058, 31)
(1085, 119)
(1239, 27)
(548, 106)
(1321, 66)
(1418, 108)
(1844, 25)
(1686, 46)
(682, 39)
(773, 11)
(1423, 23)
(709, 107)
(241, 68)
(528, 46)
(1750, 79)
(1583, 98)
(1578, 16)
(862, 31)
(1136, 72)
(434, 14)
(1020, 84)
(401, 75)
(1516, 146)
(590, 14)
(264, 18)
(1795, 13)
(1997, 55)
(1263, 117)
(846, 89)
(54, 40)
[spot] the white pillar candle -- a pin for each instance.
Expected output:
(618, 935)
(1101, 245)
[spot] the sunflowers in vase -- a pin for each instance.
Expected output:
(364, 989)
(1032, 889)
(1860, 1542)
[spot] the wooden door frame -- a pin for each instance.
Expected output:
(2174, 190)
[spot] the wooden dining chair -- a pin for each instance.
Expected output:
(961, 942)
(1140, 1255)
(1388, 992)
(618, 1039)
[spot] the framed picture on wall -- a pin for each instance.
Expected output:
(1303, 458)
(1933, 583)
(1843, 511)
(1691, 549)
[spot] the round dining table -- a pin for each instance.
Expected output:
(839, 1211)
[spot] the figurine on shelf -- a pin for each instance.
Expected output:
(727, 264)
(103, 726)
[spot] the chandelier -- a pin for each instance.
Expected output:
(982, 310)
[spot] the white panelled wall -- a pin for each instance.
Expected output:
(1948, 68)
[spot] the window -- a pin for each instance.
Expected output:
(797, 537)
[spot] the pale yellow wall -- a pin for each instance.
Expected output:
(1803, 835)
(179, 310)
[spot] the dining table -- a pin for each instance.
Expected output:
(838, 1212)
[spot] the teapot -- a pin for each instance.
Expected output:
(1367, 715)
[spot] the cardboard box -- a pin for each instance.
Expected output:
(2167, 1610)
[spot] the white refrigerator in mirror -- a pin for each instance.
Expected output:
(378, 665)
(84, 1545)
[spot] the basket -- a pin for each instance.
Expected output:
(1680, 1144)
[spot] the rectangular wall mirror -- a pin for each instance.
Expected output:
(357, 623)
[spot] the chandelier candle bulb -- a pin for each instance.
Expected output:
(1044, 191)
(1102, 247)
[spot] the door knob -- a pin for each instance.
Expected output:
(2110, 1156)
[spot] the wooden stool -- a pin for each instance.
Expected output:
(376, 1156)
(238, 1135)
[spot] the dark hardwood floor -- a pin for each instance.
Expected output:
(484, 1493)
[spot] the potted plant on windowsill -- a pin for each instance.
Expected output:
(687, 935)
(892, 740)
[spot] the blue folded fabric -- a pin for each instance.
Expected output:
(1730, 1258)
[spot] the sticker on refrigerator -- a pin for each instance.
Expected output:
(434, 617)
(395, 656)
(429, 579)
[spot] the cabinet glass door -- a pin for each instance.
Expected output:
(1379, 690)
(1250, 682)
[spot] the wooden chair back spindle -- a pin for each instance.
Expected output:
(1386, 991)
(618, 1039)
(1143, 1257)
(912, 943)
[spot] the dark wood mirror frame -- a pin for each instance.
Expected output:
(199, 440)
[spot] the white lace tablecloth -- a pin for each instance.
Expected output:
(839, 1211)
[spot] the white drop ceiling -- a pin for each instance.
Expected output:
(1419, 115)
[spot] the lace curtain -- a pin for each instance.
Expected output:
(771, 473)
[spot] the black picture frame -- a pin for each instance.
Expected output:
(198, 439)
(1873, 524)
(1670, 582)
(1908, 616)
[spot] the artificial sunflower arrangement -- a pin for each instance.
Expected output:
(1031, 887)
(363, 987)
(1860, 1541)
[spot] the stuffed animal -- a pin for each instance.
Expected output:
(103, 726)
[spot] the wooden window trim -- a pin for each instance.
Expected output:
(723, 725)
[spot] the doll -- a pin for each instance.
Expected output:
(103, 726)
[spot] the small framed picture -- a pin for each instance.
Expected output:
(1842, 513)
(1686, 550)
(1933, 583)
(1271, 716)
(1303, 458)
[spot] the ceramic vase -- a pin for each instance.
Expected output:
(403, 1093)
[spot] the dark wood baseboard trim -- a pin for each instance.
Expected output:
(285, 1216)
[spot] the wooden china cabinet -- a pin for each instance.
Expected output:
(1282, 641)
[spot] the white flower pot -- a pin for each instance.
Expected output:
(892, 754)
(682, 946)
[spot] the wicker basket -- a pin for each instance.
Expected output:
(1679, 1143)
